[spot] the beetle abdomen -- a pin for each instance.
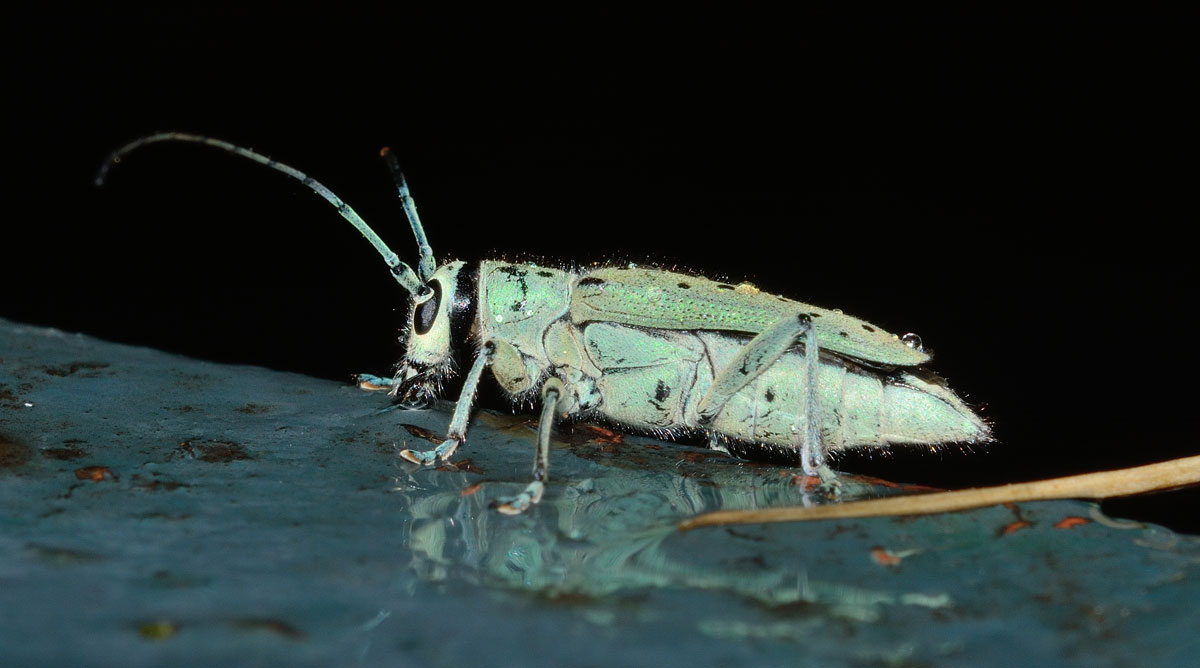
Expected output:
(858, 406)
(654, 380)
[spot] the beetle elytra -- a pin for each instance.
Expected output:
(651, 350)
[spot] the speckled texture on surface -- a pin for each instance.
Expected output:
(158, 510)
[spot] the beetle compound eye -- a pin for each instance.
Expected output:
(427, 310)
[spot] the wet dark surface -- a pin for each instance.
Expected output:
(160, 510)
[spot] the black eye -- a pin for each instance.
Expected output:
(426, 312)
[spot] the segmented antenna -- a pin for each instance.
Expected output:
(426, 265)
(402, 272)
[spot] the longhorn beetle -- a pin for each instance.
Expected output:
(657, 351)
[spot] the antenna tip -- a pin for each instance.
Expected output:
(102, 174)
(383, 152)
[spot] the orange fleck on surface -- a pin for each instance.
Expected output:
(1015, 527)
(468, 465)
(1071, 522)
(96, 473)
(807, 481)
(472, 489)
(883, 557)
(605, 435)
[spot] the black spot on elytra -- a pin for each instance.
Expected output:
(590, 281)
(844, 335)
(769, 396)
(868, 328)
(814, 315)
(685, 286)
(544, 274)
(515, 272)
(724, 286)
(662, 391)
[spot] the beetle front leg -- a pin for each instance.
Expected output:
(553, 393)
(372, 383)
(457, 433)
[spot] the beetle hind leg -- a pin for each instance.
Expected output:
(812, 453)
(756, 357)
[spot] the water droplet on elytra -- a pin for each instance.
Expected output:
(913, 341)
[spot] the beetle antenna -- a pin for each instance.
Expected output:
(402, 272)
(427, 263)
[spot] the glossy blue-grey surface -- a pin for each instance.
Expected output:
(156, 510)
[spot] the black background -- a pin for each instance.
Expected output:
(1016, 189)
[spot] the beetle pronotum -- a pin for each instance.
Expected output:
(761, 375)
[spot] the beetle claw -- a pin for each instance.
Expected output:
(446, 450)
(830, 485)
(372, 383)
(419, 457)
(442, 452)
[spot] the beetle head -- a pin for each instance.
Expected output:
(440, 317)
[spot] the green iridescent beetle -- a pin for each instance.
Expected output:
(654, 351)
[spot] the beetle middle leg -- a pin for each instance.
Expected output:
(457, 433)
(756, 357)
(553, 393)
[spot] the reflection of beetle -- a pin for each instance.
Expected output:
(655, 351)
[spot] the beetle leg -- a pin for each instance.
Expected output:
(553, 392)
(758, 356)
(373, 383)
(812, 453)
(457, 433)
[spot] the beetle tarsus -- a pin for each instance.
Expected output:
(419, 457)
(372, 383)
(442, 452)
(830, 485)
